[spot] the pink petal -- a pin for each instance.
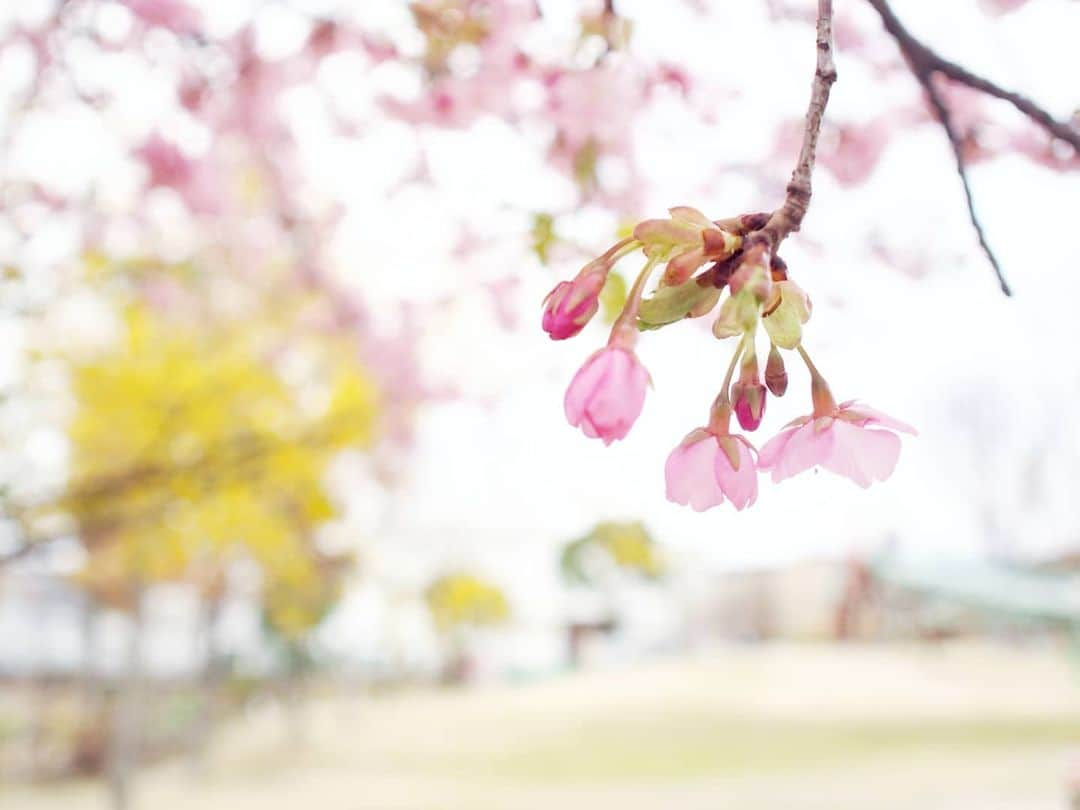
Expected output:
(798, 421)
(606, 396)
(808, 447)
(739, 485)
(872, 416)
(592, 374)
(616, 405)
(774, 448)
(862, 455)
(689, 474)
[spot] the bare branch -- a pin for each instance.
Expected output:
(923, 60)
(788, 218)
(925, 64)
(937, 103)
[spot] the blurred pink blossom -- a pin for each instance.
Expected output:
(595, 106)
(169, 167)
(999, 7)
(175, 15)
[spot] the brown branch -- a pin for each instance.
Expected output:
(923, 61)
(941, 110)
(788, 218)
(925, 64)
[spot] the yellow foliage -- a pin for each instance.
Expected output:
(189, 445)
(458, 600)
(628, 544)
(291, 608)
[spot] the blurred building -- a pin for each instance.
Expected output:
(890, 598)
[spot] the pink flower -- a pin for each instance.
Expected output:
(176, 15)
(705, 467)
(572, 304)
(595, 106)
(999, 7)
(168, 167)
(606, 395)
(854, 441)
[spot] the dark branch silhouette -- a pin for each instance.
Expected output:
(925, 64)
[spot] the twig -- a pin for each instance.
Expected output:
(941, 110)
(923, 60)
(924, 64)
(788, 218)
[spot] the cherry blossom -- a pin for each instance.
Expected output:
(706, 467)
(607, 394)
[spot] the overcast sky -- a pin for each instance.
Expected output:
(498, 478)
(988, 381)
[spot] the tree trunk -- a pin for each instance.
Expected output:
(126, 716)
(209, 688)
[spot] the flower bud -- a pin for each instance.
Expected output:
(572, 304)
(682, 230)
(753, 274)
(688, 239)
(605, 397)
(749, 395)
(776, 379)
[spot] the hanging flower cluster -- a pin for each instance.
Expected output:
(712, 464)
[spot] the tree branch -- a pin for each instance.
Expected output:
(788, 218)
(941, 110)
(925, 64)
(923, 61)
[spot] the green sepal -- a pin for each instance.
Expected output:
(669, 305)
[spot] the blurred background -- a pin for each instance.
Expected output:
(289, 508)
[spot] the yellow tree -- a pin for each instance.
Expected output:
(191, 447)
(596, 561)
(459, 603)
(626, 546)
(195, 445)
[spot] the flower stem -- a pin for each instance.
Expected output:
(622, 248)
(625, 328)
(720, 413)
(824, 403)
(725, 396)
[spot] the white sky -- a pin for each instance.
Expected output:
(987, 380)
(498, 479)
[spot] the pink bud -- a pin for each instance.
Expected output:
(572, 304)
(606, 396)
(749, 403)
(776, 378)
(749, 395)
